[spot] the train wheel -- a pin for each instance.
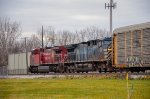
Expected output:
(131, 70)
(73, 71)
(138, 71)
(121, 70)
(66, 70)
(143, 70)
(99, 70)
(115, 70)
(78, 72)
(61, 69)
(105, 70)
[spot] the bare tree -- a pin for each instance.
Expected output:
(72, 39)
(49, 36)
(33, 42)
(81, 36)
(90, 33)
(9, 32)
(65, 37)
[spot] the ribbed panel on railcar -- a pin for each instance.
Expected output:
(146, 47)
(133, 47)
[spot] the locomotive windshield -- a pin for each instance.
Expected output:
(35, 51)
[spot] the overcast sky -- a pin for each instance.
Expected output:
(73, 14)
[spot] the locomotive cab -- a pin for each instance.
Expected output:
(47, 60)
(34, 58)
(39, 60)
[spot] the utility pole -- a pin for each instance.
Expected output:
(26, 53)
(110, 6)
(42, 38)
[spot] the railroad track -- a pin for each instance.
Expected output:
(63, 75)
(89, 73)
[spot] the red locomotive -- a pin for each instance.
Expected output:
(44, 60)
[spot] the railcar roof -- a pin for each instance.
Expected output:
(132, 27)
(71, 46)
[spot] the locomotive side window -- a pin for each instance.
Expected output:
(47, 50)
(106, 42)
(88, 43)
(71, 50)
(94, 43)
(58, 51)
(35, 51)
(32, 52)
(41, 50)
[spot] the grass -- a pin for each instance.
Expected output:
(81, 88)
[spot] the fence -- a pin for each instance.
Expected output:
(3, 70)
(17, 71)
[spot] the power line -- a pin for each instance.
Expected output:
(110, 6)
(26, 53)
(42, 38)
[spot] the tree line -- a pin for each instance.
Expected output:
(11, 41)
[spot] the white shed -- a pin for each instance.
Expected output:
(18, 64)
